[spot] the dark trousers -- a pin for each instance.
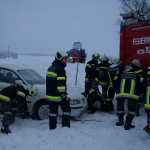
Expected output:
(111, 93)
(131, 105)
(65, 106)
(22, 105)
(9, 111)
(88, 86)
(104, 91)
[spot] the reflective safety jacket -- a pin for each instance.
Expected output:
(113, 71)
(9, 93)
(102, 74)
(56, 82)
(90, 70)
(146, 87)
(127, 85)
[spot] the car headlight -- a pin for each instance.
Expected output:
(74, 102)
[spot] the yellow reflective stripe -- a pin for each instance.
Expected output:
(5, 97)
(141, 79)
(127, 95)
(103, 67)
(96, 79)
(53, 97)
(51, 73)
(117, 72)
(122, 85)
(148, 72)
(110, 83)
(102, 83)
(61, 78)
(115, 77)
(139, 71)
(147, 106)
(61, 87)
(147, 96)
(21, 94)
(91, 91)
(132, 86)
(88, 65)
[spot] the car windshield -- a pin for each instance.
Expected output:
(32, 77)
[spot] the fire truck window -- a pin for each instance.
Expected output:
(76, 54)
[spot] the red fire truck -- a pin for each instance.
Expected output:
(135, 38)
(77, 54)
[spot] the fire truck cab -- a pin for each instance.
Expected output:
(77, 54)
(135, 38)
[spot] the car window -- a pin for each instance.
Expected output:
(8, 76)
(32, 77)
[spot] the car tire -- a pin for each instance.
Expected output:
(42, 111)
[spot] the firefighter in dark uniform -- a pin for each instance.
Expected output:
(95, 101)
(146, 88)
(102, 76)
(91, 73)
(12, 96)
(127, 86)
(136, 65)
(113, 70)
(56, 90)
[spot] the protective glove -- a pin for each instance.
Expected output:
(63, 97)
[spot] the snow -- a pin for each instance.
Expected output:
(90, 135)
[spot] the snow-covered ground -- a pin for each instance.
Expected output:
(88, 135)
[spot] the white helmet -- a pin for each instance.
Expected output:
(103, 58)
(95, 55)
(33, 90)
(61, 54)
(115, 60)
(136, 62)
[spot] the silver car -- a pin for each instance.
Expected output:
(37, 105)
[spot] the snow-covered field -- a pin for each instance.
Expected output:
(88, 135)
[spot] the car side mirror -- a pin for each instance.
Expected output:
(18, 81)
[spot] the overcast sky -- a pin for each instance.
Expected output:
(46, 26)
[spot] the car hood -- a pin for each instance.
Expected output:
(73, 93)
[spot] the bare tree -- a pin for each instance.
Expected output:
(143, 6)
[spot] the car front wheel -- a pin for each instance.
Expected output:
(42, 111)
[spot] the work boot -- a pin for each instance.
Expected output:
(109, 106)
(24, 116)
(147, 129)
(5, 129)
(92, 111)
(128, 124)
(120, 120)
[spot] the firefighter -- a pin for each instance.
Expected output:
(136, 65)
(127, 86)
(102, 76)
(146, 88)
(17, 91)
(91, 73)
(95, 101)
(56, 90)
(113, 70)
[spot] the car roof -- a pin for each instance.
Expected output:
(14, 66)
